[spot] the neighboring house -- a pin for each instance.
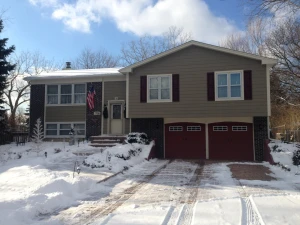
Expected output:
(197, 100)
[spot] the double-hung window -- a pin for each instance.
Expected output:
(66, 94)
(159, 88)
(52, 94)
(229, 85)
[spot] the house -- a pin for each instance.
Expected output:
(196, 100)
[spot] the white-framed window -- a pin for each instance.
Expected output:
(239, 128)
(220, 128)
(65, 94)
(159, 88)
(175, 128)
(62, 129)
(229, 85)
(193, 128)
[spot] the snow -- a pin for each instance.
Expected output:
(76, 73)
(33, 186)
(36, 190)
(218, 212)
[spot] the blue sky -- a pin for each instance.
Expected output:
(60, 29)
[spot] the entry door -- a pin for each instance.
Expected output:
(116, 119)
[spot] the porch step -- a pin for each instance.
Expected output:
(106, 141)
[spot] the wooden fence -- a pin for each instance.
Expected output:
(17, 137)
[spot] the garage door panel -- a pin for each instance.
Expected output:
(231, 141)
(187, 142)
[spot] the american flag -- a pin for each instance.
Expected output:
(90, 98)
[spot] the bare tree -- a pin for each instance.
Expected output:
(283, 8)
(17, 91)
(89, 59)
(147, 46)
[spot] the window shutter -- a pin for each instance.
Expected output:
(248, 85)
(211, 86)
(175, 87)
(143, 94)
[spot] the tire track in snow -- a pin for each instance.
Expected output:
(117, 200)
(192, 187)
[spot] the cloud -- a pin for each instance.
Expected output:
(142, 16)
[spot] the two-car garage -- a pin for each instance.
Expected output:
(226, 141)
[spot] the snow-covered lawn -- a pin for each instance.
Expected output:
(36, 190)
(33, 186)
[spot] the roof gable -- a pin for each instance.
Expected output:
(264, 60)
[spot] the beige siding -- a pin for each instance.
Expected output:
(127, 126)
(65, 113)
(192, 64)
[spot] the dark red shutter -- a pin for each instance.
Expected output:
(175, 87)
(248, 85)
(143, 89)
(211, 86)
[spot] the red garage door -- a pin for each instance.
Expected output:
(185, 141)
(230, 141)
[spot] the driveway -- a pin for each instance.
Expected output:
(190, 192)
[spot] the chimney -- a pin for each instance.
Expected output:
(68, 65)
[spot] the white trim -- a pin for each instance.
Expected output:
(148, 86)
(102, 107)
(127, 95)
(239, 128)
(175, 128)
(58, 128)
(206, 140)
(193, 128)
(241, 72)
(220, 128)
(268, 90)
(264, 60)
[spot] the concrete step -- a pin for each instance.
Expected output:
(103, 145)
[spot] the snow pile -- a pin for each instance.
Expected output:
(119, 157)
(283, 153)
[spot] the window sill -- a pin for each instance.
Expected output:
(63, 136)
(81, 104)
(159, 101)
(228, 99)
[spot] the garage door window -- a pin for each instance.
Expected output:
(175, 128)
(193, 128)
(220, 128)
(239, 128)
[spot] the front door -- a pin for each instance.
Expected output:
(116, 119)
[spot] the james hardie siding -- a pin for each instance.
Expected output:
(192, 64)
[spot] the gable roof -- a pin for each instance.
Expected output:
(264, 60)
(61, 74)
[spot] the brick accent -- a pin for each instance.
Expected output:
(154, 128)
(37, 105)
(93, 122)
(260, 135)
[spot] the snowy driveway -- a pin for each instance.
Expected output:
(188, 192)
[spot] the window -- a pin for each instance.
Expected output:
(229, 85)
(66, 94)
(52, 94)
(51, 129)
(159, 88)
(63, 129)
(220, 128)
(239, 128)
(193, 128)
(79, 93)
(175, 128)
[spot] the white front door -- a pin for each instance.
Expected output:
(116, 118)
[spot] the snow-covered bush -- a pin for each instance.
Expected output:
(140, 138)
(296, 158)
(276, 148)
